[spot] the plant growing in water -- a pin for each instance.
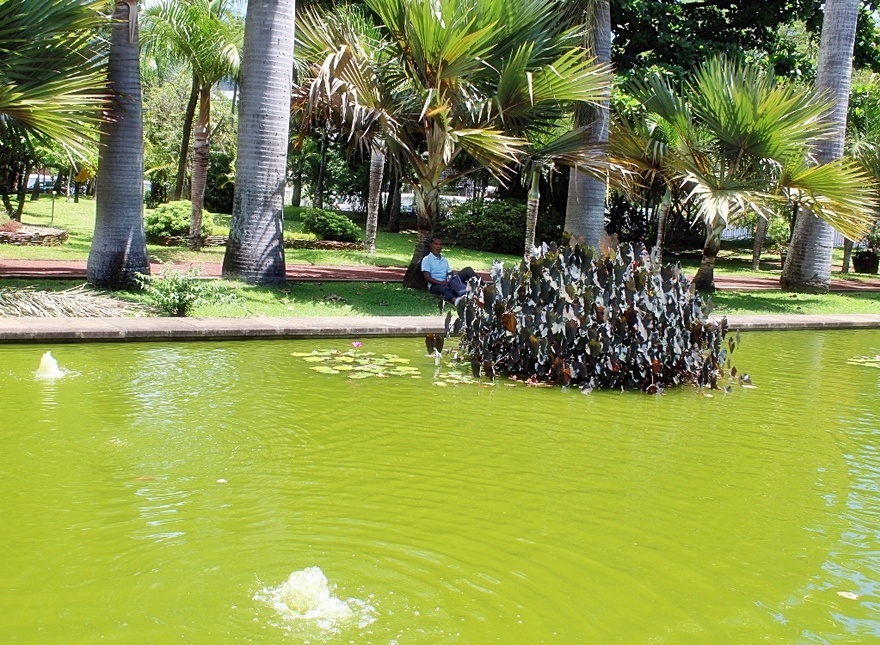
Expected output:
(617, 321)
(177, 293)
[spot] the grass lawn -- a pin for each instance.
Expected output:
(372, 299)
(292, 300)
(392, 249)
(778, 302)
(381, 299)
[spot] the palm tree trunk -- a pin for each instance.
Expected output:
(22, 192)
(662, 219)
(393, 204)
(200, 167)
(184, 141)
(760, 233)
(255, 250)
(847, 254)
(808, 265)
(585, 210)
(532, 204)
(427, 212)
(322, 169)
(119, 249)
(704, 281)
(377, 166)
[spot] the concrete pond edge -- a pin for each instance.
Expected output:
(60, 330)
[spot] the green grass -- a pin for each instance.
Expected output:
(778, 302)
(392, 249)
(736, 261)
(380, 299)
(372, 299)
(292, 300)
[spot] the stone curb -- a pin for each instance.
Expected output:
(53, 330)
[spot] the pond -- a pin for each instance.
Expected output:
(230, 493)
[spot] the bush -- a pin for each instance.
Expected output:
(778, 233)
(172, 220)
(329, 225)
(498, 226)
(177, 293)
(220, 186)
(618, 322)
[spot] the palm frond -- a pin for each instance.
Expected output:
(52, 71)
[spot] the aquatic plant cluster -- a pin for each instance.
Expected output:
(357, 364)
(569, 316)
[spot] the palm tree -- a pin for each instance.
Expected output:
(348, 83)
(640, 164)
(52, 76)
(585, 210)
(577, 149)
(119, 249)
(207, 35)
(255, 250)
(475, 76)
(808, 265)
(743, 147)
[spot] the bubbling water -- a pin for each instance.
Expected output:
(306, 604)
(48, 369)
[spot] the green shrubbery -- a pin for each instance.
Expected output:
(329, 225)
(220, 186)
(177, 293)
(172, 220)
(498, 226)
(778, 233)
(568, 317)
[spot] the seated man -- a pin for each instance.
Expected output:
(438, 275)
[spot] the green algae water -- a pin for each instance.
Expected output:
(230, 493)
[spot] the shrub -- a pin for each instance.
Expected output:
(778, 233)
(498, 226)
(568, 317)
(172, 220)
(220, 186)
(329, 225)
(177, 293)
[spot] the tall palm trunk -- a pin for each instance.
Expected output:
(184, 141)
(757, 247)
(318, 202)
(662, 219)
(532, 204)
(119, 249)
(255, 250)
(426, 195)
(393, 203)
(427, 203)
(200, 167)
(847, 255)
(377, 166)
(705, 279)
(808, 265)
(585, 210)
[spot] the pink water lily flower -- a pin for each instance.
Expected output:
(357, 343)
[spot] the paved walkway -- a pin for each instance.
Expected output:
(76, 269)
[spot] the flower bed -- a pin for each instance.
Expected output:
(26, 235)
